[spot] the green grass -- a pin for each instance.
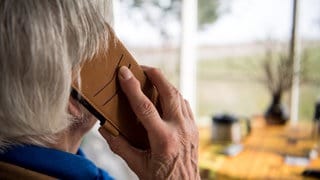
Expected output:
(240, 67)
(235, 85)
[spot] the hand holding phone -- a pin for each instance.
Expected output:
(173, 134)
(99, 91)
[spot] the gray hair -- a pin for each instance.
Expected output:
(40, 42)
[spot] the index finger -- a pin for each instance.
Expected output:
(140, 103)
(164, 87)
(167, 92)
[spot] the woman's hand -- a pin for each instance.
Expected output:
(173, 136)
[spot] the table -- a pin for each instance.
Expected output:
(263, 154)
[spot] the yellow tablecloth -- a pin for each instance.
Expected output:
(263, 154)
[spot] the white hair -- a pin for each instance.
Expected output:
(40, 42)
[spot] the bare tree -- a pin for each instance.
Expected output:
(278, 73)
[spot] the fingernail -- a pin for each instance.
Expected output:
(125, 73)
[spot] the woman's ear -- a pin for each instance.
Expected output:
(74, 108)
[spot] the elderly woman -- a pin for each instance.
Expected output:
(41, 42)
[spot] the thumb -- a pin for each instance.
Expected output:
(134, 157)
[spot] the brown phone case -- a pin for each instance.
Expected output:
(100, 92)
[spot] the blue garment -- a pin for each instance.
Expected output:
(55, 163)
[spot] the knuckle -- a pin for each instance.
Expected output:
(146, 109)
(175, 109)
(173, 92)
(190, 131)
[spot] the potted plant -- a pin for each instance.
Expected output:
(278, 71)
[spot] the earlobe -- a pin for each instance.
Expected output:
(74, 108)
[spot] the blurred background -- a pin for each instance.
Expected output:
(231, 59)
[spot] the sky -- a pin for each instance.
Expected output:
(246, 21)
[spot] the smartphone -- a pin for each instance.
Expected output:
(98, 90)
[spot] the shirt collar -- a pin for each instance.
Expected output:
(52, 162)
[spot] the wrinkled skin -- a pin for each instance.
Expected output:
(173, 135)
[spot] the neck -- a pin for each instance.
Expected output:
(68, 141)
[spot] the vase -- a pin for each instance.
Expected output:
(277, 113)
